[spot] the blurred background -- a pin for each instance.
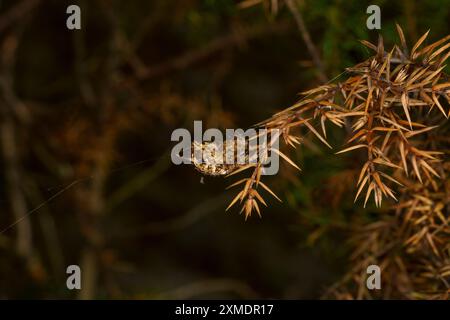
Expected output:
(86, 120)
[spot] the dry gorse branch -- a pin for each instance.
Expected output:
(393, 102)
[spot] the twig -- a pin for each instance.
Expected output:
(179, 223)
(210, 286)
(91, 220)
(10, 144)
(307, 38)
(195, 56)
(16, 12)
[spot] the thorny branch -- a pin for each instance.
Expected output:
(396, 102)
